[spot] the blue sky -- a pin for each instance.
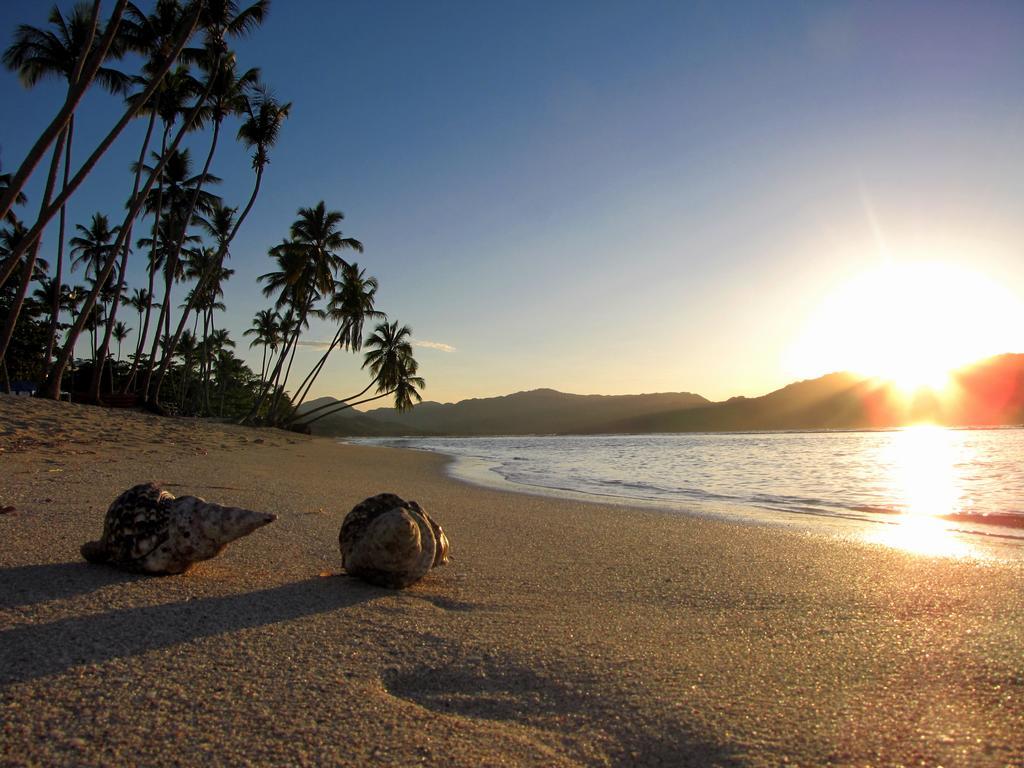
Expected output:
(613, 197)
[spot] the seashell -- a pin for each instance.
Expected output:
(391, 542)
(148, 530)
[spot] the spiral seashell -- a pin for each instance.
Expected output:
(391, 542)
(148, 530)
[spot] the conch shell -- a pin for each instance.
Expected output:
(148, 530)
(391, 542)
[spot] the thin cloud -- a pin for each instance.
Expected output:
(438, 345)
(434, 345)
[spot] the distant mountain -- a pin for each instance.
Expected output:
(989, 393)
(352, 423)
(541, 411)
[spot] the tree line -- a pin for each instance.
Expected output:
(187, 83)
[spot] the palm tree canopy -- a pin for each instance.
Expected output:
(178, 187)
(219, 224)
(265, 329)
(389, 355)
(407, 388)
(11, 238)
(229, 89)
(260, 131)
(309, 260)
(352, 304)
(153, 35)
(19, 199)
(94, 244)
(140, 299)
(223, 18)
(37, 54)
(164, 245)
(286, 280)
(121, 330)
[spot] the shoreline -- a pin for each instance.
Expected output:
(562, 633)
(995, 541)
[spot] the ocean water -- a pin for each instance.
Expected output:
(954, 492)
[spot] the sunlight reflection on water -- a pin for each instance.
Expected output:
(925, 467)
(928, 490)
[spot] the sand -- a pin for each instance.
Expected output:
(563, 632)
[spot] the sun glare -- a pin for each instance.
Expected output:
(924, 474)
(910, 323)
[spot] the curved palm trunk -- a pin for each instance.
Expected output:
(59, 272)
(172, 257)
(205, 278)
(345, 407)
(205, 370)
(37, 229)
(319, 408)
(157, 214)
(303, 391)
(144, 318)
(52, 387)
(7, 330)
(101, 358)
(85, 73)
(150, 393)
(269, 385)
(279, 393)
(127, 378)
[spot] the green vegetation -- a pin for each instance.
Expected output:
(188, 81)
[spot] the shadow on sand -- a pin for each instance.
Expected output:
(34, 584)
(30, 652)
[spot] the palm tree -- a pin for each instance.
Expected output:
(157, 247)
(138, 301)
(224, 95)
(308, 262)
(151, 36)
(52, 386)
(181, 207)
(315, 238)
(135, 105)
(389, 353)
(394, 370)
(259, 132)
(266, 331)
(218, 342)
(220, 223)
(37, 53)
(19, 199)
(187, 351)
(121, 331)
(229, 369)
(351, 305)
(92, 247)
(10, 238)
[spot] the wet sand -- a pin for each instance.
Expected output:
(563, 632)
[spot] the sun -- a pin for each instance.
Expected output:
(910, 323)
